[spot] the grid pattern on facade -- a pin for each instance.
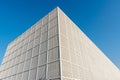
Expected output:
(73, 61)
(35, 54)
(80, 58)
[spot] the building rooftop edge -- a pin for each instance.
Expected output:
(57, 7)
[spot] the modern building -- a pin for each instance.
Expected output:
(56, 49)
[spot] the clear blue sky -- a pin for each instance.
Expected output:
(99, 20)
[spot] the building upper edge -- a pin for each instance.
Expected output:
(10, 43)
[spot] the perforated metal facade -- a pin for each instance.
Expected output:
(55, 49)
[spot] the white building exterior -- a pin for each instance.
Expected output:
(56, 49)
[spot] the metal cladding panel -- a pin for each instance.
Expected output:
(34, 55)
(80, 59)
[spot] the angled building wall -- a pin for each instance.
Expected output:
(34, 55)
(79, 57)
(56, 49)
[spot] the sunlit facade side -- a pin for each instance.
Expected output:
(80, 58)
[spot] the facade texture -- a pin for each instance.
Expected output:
(56, 49)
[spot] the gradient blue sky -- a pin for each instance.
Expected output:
(99, 20)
